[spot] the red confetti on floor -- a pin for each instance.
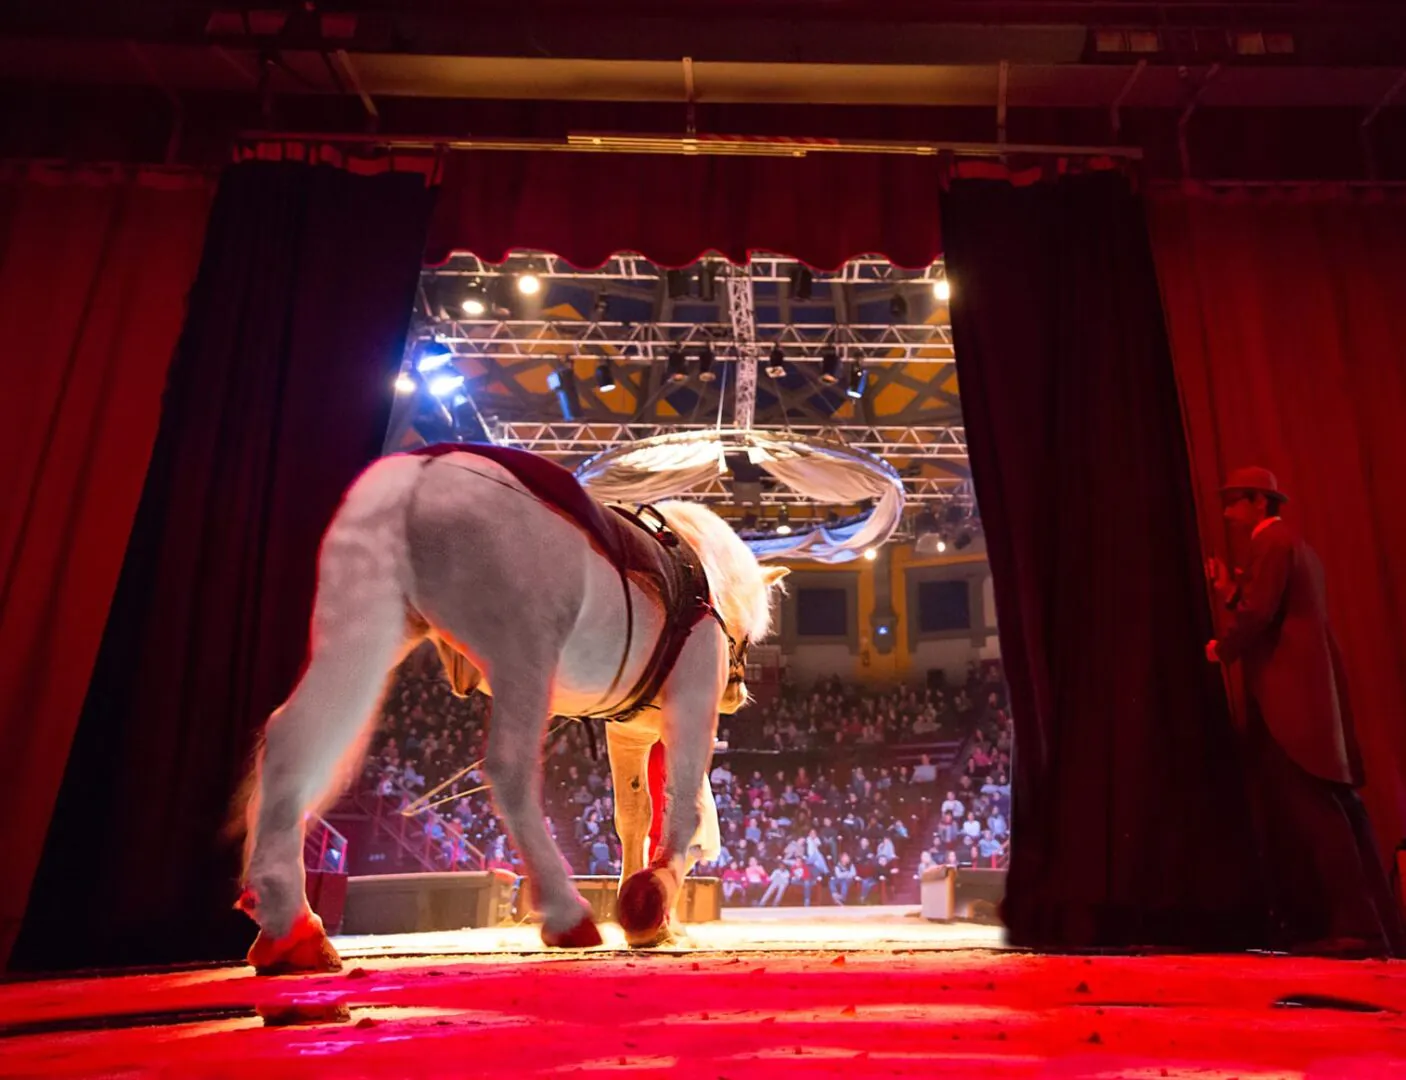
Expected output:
(935, 1014)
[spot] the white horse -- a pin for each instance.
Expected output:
(455, 546)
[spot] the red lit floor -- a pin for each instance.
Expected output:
(953, 1013)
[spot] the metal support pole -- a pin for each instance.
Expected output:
(744, 335)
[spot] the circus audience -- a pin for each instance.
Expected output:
(831, 830)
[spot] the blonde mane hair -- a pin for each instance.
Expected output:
(735, 578)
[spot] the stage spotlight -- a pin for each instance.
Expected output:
(708, 281)
(858, 381)
(605, 376)
(941, 546)
(529, 284)
(783, 522)
(870, 554)
(776, 364)
(475, 303)
(801, 281)
(404, 384)
(676, 365)
(679, 283)
(600, 307)
(898, 308)
(705, 364)
(749, 519)
(942, 290)
(433, 355)
(829, 366)
(441, 386)
(563, 383)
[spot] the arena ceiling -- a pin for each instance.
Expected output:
(591, 359)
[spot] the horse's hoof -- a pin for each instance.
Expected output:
(584, 935)
(306, 950)
(654, 939)
(643, 907)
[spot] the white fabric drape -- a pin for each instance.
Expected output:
(829, 474)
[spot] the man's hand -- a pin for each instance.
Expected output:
(1213, 651)
(1220, 579)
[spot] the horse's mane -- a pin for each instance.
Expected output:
(734, 576)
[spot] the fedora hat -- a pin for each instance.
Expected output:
(1253, 478)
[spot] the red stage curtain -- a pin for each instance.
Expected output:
(94, 269)
(822, 209)
(1287, 313)
(279, 394)
(1129, 823)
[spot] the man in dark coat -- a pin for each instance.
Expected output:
(1326, 885)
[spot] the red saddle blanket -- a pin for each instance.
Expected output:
(627, 546)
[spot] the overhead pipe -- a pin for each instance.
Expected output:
(721, 145)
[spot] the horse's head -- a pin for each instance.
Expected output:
(735, 694)
(741, 587)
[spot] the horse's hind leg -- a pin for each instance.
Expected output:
(521, 699)
(310, 744)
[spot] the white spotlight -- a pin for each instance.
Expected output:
(444, 385)
(404, 384)
(474, 307)
(941, 546)
(942, 290)
(870, 554)
(529, 284)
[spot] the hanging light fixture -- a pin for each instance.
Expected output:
(830, 366)
(676, 365)
(706, 359)
(783, 522)
(776, 364)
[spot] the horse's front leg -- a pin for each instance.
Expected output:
(628, 747)
(689, 720)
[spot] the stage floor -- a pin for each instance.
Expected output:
(762, 994)
(740, 930)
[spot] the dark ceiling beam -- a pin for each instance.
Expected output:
(841, 31)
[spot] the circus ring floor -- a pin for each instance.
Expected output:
(761, 994)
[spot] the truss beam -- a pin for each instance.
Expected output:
(744, 340)
(909, 343)
(637, 269)
(570, 439)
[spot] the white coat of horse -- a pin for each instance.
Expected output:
(456, 546)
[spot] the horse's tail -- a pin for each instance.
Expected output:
(383, 489)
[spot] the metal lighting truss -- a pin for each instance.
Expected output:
(624, 343)
(636, 269)
(571, 443)
(744, 343)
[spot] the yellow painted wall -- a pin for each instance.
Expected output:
(897, 665)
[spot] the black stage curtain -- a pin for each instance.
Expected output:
(279, 393)
(1130, 827)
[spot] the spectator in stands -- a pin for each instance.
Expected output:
(779, 880)
(952, 805)
(997, 824)
(989, 848)
(842, 878)
(925, 772)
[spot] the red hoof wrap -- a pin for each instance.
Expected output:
(584, 935)
(643, 906)
(305, 950)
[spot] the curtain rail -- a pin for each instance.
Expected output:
(720, 145)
